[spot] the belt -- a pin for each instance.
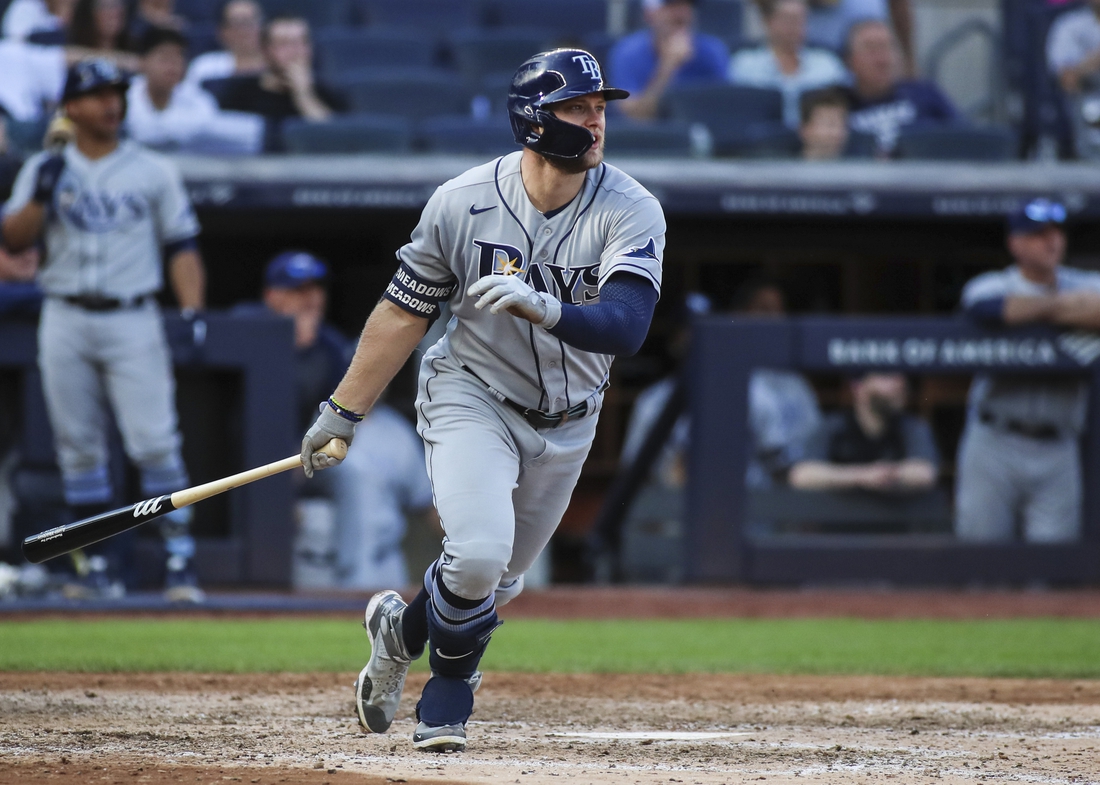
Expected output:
(96, 302)
(537, 418)
(1043, 432)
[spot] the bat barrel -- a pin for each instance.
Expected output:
(63, 539)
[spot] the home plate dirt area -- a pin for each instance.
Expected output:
(550, 728)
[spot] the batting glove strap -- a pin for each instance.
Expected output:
(329, 426)
(553, 310)
(49, 173)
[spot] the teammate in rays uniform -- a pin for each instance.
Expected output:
(551, 262)
(106, 210)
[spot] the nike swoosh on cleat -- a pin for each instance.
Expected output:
(449, 657)
(475, 210)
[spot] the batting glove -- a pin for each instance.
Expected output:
(511, 293)
(47, 177)
(329, 426)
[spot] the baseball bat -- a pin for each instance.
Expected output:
(63, 539)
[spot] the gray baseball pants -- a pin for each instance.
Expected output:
(91, 360)
(500, 486)
(1005, 478)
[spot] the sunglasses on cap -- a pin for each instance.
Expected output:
(1045, 211)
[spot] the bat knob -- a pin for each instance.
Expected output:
(336, 448)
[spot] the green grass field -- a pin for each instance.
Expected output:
(1060, 648)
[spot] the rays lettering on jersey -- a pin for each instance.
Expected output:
(573, 286)
(99, 211)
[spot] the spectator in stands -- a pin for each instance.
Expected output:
(31, 78)
(286, 87)
(874, 446)
(25, 18)
(1019, 462)
(153, 13)
(383, 477)
(166, 113)
(1073, 56)
(824, 127)
(668, 53)
(239, 32)
(831, 21)
(785, 63)
(882, 103)
(99, 26)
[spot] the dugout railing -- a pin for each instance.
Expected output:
(717, 544)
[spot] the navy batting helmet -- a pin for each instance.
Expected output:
(87, 76)
(545, 79)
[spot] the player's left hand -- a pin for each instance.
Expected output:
(511, 293)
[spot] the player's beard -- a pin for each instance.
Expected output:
(590, 160)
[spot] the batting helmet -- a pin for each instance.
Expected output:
(545, 79)
(87, 76)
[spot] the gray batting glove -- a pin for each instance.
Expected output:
(511, 293)
(329, 426)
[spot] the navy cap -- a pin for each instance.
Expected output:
(1036, 215)
(292, 269)
(87, 76)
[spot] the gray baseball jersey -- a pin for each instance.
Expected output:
(482, 223)
(1032, 400)
(109, 220)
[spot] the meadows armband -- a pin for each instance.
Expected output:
(416, 295)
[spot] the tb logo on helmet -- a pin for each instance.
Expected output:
(589, 66)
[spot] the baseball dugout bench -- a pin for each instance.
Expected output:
(718, 545)
(236, 405)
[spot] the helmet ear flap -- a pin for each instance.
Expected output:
(560, 139)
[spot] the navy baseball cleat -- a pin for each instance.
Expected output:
(378, 688)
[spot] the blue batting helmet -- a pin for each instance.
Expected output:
(545, 79)
(87, 76)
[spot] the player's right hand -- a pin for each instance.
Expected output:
(329, 426)
(47, 177)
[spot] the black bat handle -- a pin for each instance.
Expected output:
(64, 539)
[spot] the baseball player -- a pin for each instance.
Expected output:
(551, 262)
(1018, 459)
(106, 210)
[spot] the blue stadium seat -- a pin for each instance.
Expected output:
(458, 134)
(199, 11)
(957, 143)
(560, 18)
(494, 87)
(340, 50)
(478, 52)
(435, 17)
(414, 93)
(740, 119)
(669, 138)
(319, 13)
(348, 134)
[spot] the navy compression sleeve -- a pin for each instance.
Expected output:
(617, 324)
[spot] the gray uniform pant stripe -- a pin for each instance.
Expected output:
(1005, 479)
(89, 360)
(500, 486)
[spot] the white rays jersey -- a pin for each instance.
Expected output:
(109, 220)
(482, 223)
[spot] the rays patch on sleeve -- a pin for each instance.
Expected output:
(648, 251)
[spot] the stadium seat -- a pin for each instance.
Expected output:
(199, 11)
(741, 120)
(319, 13)
(461, 134)
(561, 18)
(658, 139)
(493, 87)
(348, 134)
(957, 143)
(479, 52)
(414, 93)
(340, 50)
(435, 17)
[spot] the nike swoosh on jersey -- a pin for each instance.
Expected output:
(475, 210)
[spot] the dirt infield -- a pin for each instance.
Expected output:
(299, 729)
